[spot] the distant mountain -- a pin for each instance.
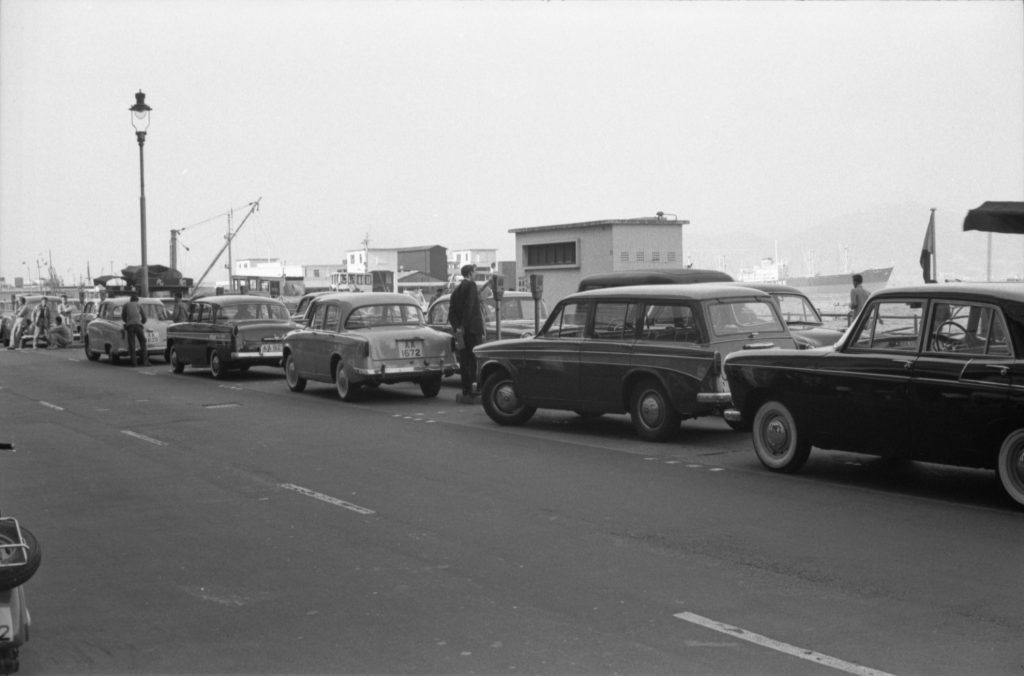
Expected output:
(886, 235)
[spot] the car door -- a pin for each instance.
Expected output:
(547, 368)
(193, 339)
(605, 354)
(322, 341)
(961, 382)
(859, 401)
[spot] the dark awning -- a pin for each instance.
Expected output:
(1005, 217)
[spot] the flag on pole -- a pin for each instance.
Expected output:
(928, 252)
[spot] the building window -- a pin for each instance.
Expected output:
(556, 253)
(639, 256)
(655, 256)
(316, 272)
(624, 257)
(671, 256)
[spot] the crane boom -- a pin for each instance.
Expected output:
(253, 206)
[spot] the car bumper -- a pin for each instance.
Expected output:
(385, 371)
(732, 415)
(714, 398)
(269, 357)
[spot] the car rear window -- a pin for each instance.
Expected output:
(384, 315)
(743, 317)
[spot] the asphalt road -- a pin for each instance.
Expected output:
(197, 526)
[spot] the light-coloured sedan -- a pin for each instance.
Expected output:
(367, 339)
(106, 335)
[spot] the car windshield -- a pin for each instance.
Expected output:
(797, 309)
(252, 310)
(513, 308)
(743, 317)
(384, 315)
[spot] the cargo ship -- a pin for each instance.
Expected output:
(874, 280)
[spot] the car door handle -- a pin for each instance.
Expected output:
(1003, 370)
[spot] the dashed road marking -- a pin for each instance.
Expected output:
(143, 437)
(55, 407)
(795, 651)
(328, 499)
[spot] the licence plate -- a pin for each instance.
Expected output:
(152, 338)
(410, 349)
(270, 348)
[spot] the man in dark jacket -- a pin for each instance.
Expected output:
(465, 317)
(134, 317)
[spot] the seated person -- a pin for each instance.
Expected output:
(59, 335)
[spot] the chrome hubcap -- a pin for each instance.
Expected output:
(650, 410)
(505, 398)
(776, 435)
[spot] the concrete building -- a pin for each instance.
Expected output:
(565, 253)
(483, 259)
(430, 260)
(317, 277)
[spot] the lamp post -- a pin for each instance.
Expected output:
(140, 120)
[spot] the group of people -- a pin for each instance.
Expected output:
(53, 324)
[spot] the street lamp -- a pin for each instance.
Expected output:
(140, 120)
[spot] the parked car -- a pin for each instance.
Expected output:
(654, 351)
(87, 314)
(802, 318)
(604, 280)
(106, 335)
(367, 339)
(929, 373)
(230, 332)
(302, 307)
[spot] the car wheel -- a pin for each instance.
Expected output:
(291, 375)
(653, 417)
(177, 366)
(430, 386)
(346, 388)
(501, 403)
(777, 441)
(217, 368)
(1010, 466)
(17, 565)
(90, 354)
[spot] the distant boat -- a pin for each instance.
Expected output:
(874, 279)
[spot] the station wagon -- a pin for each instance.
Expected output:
(653, 351)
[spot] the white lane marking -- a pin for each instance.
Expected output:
(143, 437)
(55, 407)
(326, 498)
(764, 641)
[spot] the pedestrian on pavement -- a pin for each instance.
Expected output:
(466, 319)
(18, 319)
(858, 297)
(180, 311)
(41, 319)
(60, 335)
(134, 318)
(64, 309)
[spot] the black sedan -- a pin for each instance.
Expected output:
(931, 373)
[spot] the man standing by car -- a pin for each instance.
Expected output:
(180, 313)
(858, 297)
(133, 317)
(464, 316)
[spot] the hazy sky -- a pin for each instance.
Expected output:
(449, 123)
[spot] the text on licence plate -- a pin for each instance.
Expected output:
(410, 349)
(270, 347)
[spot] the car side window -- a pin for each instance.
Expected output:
(614, 320)
(332, 318)
(670, 323)
(316, 321)
(890, 325)
(967, 328)
(570, 321)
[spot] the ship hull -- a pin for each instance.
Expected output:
(874, 279)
